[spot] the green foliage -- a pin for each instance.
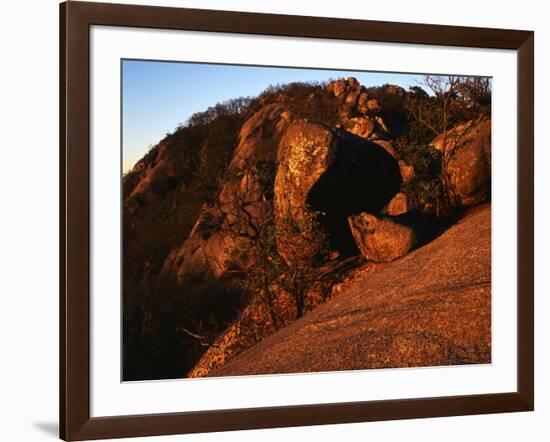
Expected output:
(263, 270)
(426, 188)
(453, 100)
(303, 222)
(259, 265)
(304, 256)
(425, 159)
(427, 191)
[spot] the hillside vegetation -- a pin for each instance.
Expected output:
(248, 217)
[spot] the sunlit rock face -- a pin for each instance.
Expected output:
(381, 239)
(332, 173)
(469, 148)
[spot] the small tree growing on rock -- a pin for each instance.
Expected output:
(453, 100)
(249, 222)
(301, 261)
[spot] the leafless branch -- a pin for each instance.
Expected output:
(203, 340)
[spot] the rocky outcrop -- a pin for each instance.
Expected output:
(203, 249)
(222, 230)
(150, 176)
(361, 126)
(399, 205)
(242, 200)
(258, 320)
(265, 316)
(266, 124)
(330, 194)
(381, 239)
(469, 165)
(447, 140)
(332, 173)
(337, 87)
(361, 116)
(358, 113)
(430, 308)
(318, 169)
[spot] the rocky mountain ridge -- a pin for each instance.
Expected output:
(304, 181)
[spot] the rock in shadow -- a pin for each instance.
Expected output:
(426, 226)
(362, 178)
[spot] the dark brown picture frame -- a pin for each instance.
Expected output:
(75, 21)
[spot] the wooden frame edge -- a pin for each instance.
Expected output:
(74, 207)
(62, 225)
(292, 416)
(162, 17)
(526, 220)
(75, 421)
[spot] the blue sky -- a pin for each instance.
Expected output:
(158, 96)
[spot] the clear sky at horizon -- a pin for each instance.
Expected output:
(158, 96)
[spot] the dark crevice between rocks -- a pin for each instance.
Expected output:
(363, 178)
(426, 226)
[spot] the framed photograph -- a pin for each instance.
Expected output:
(275, 220)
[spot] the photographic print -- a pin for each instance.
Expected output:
(287, 220)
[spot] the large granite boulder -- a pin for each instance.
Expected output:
(469, 165)
(331, 173)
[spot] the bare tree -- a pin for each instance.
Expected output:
(475, 93)
(249, 224)
(438, 113)
(301, 256)
(453, 99)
